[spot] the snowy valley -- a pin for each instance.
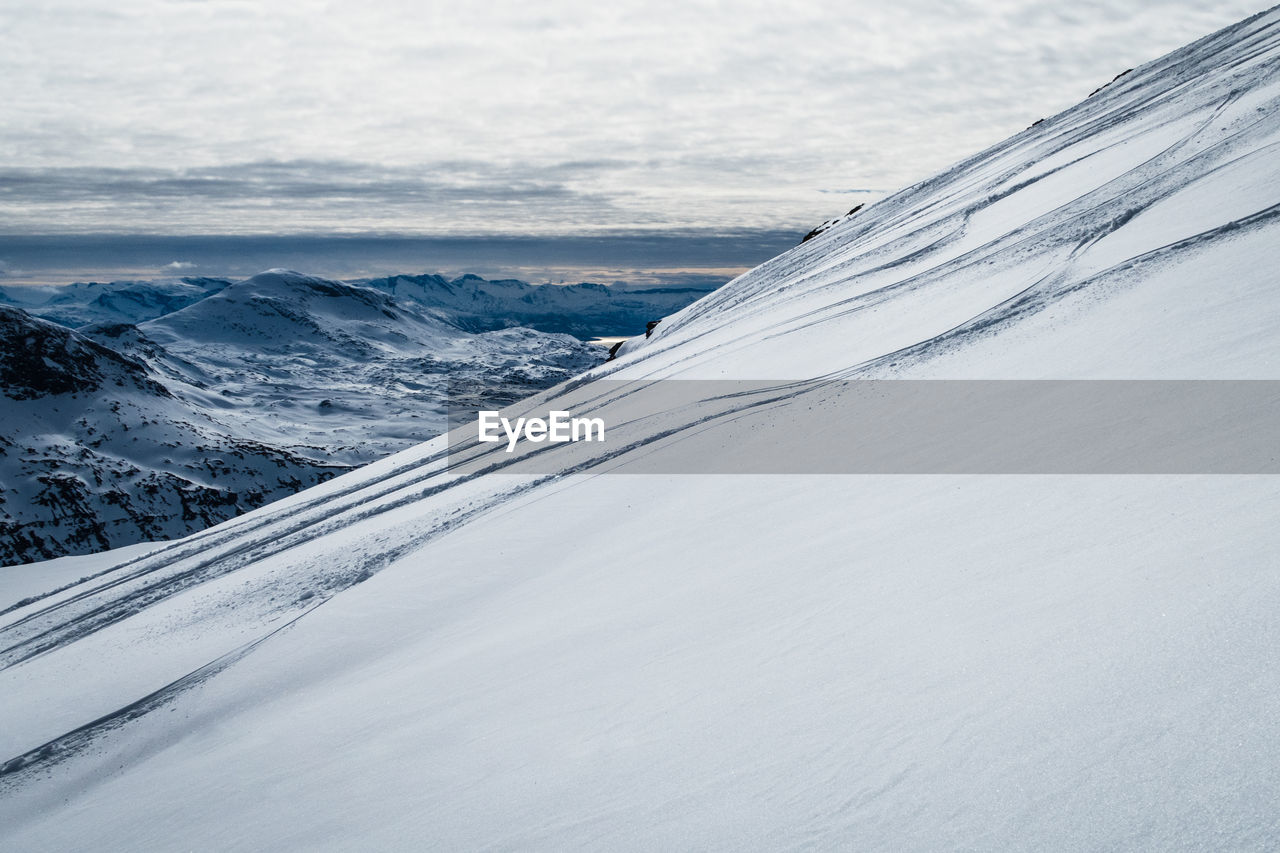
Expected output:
(178, 404)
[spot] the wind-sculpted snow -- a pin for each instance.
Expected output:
(426, 654)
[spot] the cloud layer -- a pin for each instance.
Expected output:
(177, 116)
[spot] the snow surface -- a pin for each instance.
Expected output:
(20, 582)
(407, 656)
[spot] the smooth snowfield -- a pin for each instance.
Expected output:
(942, 666)
(410, 657)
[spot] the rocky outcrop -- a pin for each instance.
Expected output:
(829, 224)
(38, 359)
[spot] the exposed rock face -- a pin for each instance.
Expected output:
(38, 359)
(829, 224)
(1105, 85)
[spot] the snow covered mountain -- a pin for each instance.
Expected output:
(583, 310)
(468, 302)
(96, 453)
(415, 654)
(119, 433)
(293, 358)
(83, 303)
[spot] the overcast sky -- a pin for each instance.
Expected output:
(457, 118)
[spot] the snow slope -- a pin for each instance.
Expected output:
(411, 656)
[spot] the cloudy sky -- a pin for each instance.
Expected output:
(515, 118)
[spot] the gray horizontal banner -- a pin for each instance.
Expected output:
(876, 427)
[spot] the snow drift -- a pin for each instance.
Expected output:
(411, 656)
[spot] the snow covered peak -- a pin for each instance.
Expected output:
(585, 309)
(276, 283)
(268, 387)
(299, 288)
(281, 311)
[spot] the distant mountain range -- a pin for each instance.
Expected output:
(173, 405)
(82, 303)
(469, 302)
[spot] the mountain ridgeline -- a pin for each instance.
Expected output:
(469, 302)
